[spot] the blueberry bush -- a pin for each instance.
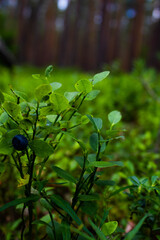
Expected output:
(31, 132)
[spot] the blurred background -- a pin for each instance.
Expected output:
(87, 34)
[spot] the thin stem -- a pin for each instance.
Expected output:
(53, 226)
(77, 108)
(20, 165)
(17, 166)
(53, 125)
(78, 187)
(53, 205)
(23, 222)
(35, 124)
(28, 192)
(92, 175)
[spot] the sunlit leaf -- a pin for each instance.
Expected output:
(100, 76)
(12, 108)
(109, 227)
(83, 86)
(59, 101)
(55, 85)
(114, 117)
(23, 181)
(42, 90)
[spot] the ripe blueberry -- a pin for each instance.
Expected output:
(19, 142)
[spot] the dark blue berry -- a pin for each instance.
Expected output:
(19, 142)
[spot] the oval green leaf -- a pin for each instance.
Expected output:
(55, 85)
(70, 95)
(114, 117)
(100, 76)
(41, 148)
(83, 86)
(42, 90)
(92, 95)
(12, 108)
(59, 101)
(109, 227)
(63, 174)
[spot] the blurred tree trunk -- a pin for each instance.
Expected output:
(65, 37)
(154, 46)
(104, 33)
(47, 45)
(89, 42)
(28, 15)
(135, 44)
(22, 4)
(77, 31)
(115, 32)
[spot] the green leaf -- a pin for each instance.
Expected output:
(55, 85)
(19, 201)
(92, 95)
(120, 190)
(40, 222)
(66, 230)
(97, 230)
(9, 98)
(80, 161)
(1, 98)
(4, 117)
(5, 147)
(70, 95)
(41, 148)
(47, 110)
(42, 91)
(12, 108)
(104, 183)
(89, 197)
(94, 142)
(45, 204)
(154, 179)
(48, 71)
(109, 227)
(100, 76)
(59, 101)
(21, 95)
(66, 207)
(132, 233)
(37, 76)
(105, 215)
(102, 164)
(6, 142)
(83, 86)
(84, 119)
(114, 117)
(86, 237)
(81, 143)
(97, 122)
(135, 180)
(52, 118)
(63, 174)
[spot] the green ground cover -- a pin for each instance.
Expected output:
(136, 96)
